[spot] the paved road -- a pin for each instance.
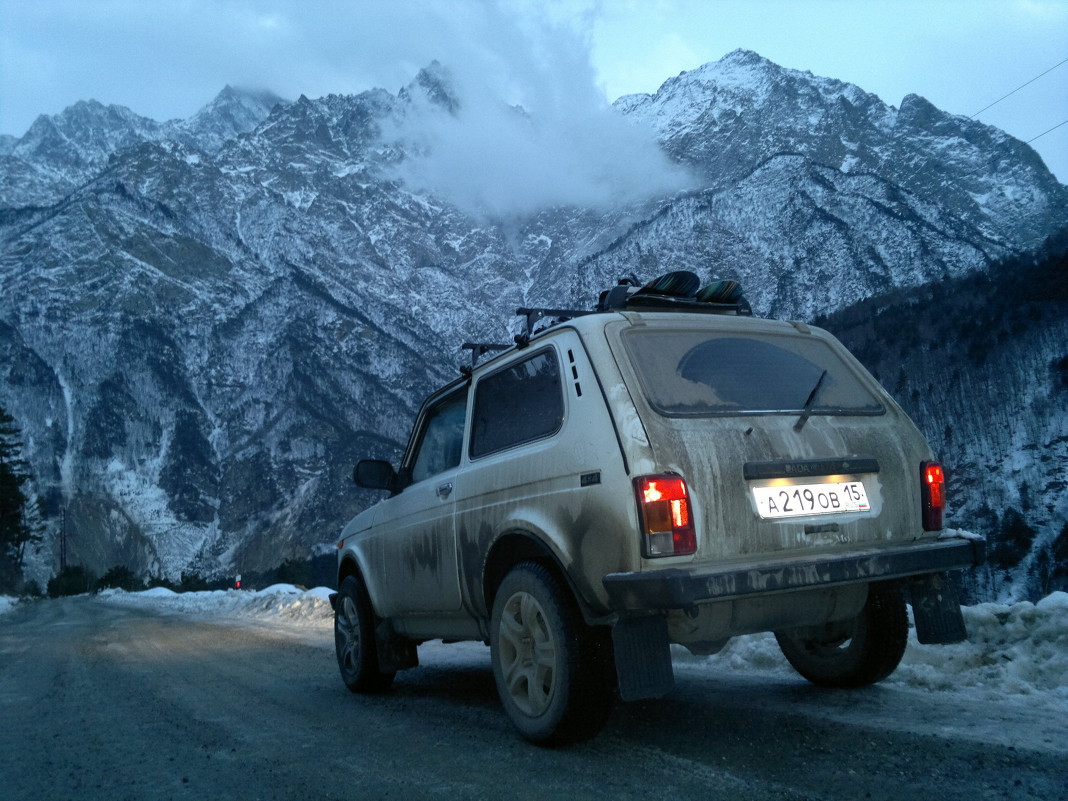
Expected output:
(99, 701)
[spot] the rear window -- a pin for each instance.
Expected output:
(518, 404)
(698, 374)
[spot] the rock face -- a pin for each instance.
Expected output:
(204, 323)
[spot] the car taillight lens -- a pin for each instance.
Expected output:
(665, 516)
(932, 495)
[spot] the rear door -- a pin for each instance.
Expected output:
(786, 442)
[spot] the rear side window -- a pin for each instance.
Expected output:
(698, 374)
(520, 403)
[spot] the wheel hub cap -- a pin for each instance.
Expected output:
(527, 654)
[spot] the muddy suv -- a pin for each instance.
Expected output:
(664, 469)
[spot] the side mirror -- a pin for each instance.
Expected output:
(375, 474)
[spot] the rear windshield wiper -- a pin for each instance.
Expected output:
(806, 412)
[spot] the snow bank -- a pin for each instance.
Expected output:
(1019, 650)
(283, 602)
(7, 603)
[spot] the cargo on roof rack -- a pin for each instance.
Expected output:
(676, 291)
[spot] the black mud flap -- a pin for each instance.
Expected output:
(394, 652)
(643, 657)
(936, 610)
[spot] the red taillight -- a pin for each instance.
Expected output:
(932, 495)
(665, 516)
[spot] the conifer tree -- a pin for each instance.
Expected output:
(19, 524)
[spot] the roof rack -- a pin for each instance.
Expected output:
(639, 302)
(479, 349)
(675, 291)
(561, 315)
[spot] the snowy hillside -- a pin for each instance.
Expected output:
(204, 323)
(981, 364)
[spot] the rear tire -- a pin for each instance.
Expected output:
(354, 639)
(554, 674)
(852, 653)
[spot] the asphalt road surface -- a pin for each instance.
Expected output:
(100, 701)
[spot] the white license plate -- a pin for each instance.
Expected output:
(797, 500)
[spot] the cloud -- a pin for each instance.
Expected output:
(530, 129)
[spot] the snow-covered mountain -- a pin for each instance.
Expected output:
(204, 323)
(61, 152)
(728, 117)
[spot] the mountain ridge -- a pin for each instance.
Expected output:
(916, 145)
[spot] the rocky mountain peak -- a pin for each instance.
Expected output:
(231, 113)
(718, 117)
(743, 68)
(83, 134)
(435, 84)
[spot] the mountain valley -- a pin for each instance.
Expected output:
(204, 323)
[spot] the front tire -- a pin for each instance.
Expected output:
(852, 653)
(554, 673)
(354, 640)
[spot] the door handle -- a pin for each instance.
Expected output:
(445, 490)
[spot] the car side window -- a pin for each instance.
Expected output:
(442, 438)
(520, 403)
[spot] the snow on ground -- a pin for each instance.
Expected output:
(1012, 650)
(280, 603)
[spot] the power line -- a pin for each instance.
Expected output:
(1054, 128)
(1017, 89)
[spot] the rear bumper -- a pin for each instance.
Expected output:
(680, 588)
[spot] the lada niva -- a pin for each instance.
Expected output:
(666, 468)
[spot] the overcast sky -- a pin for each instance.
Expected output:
(166, 58)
